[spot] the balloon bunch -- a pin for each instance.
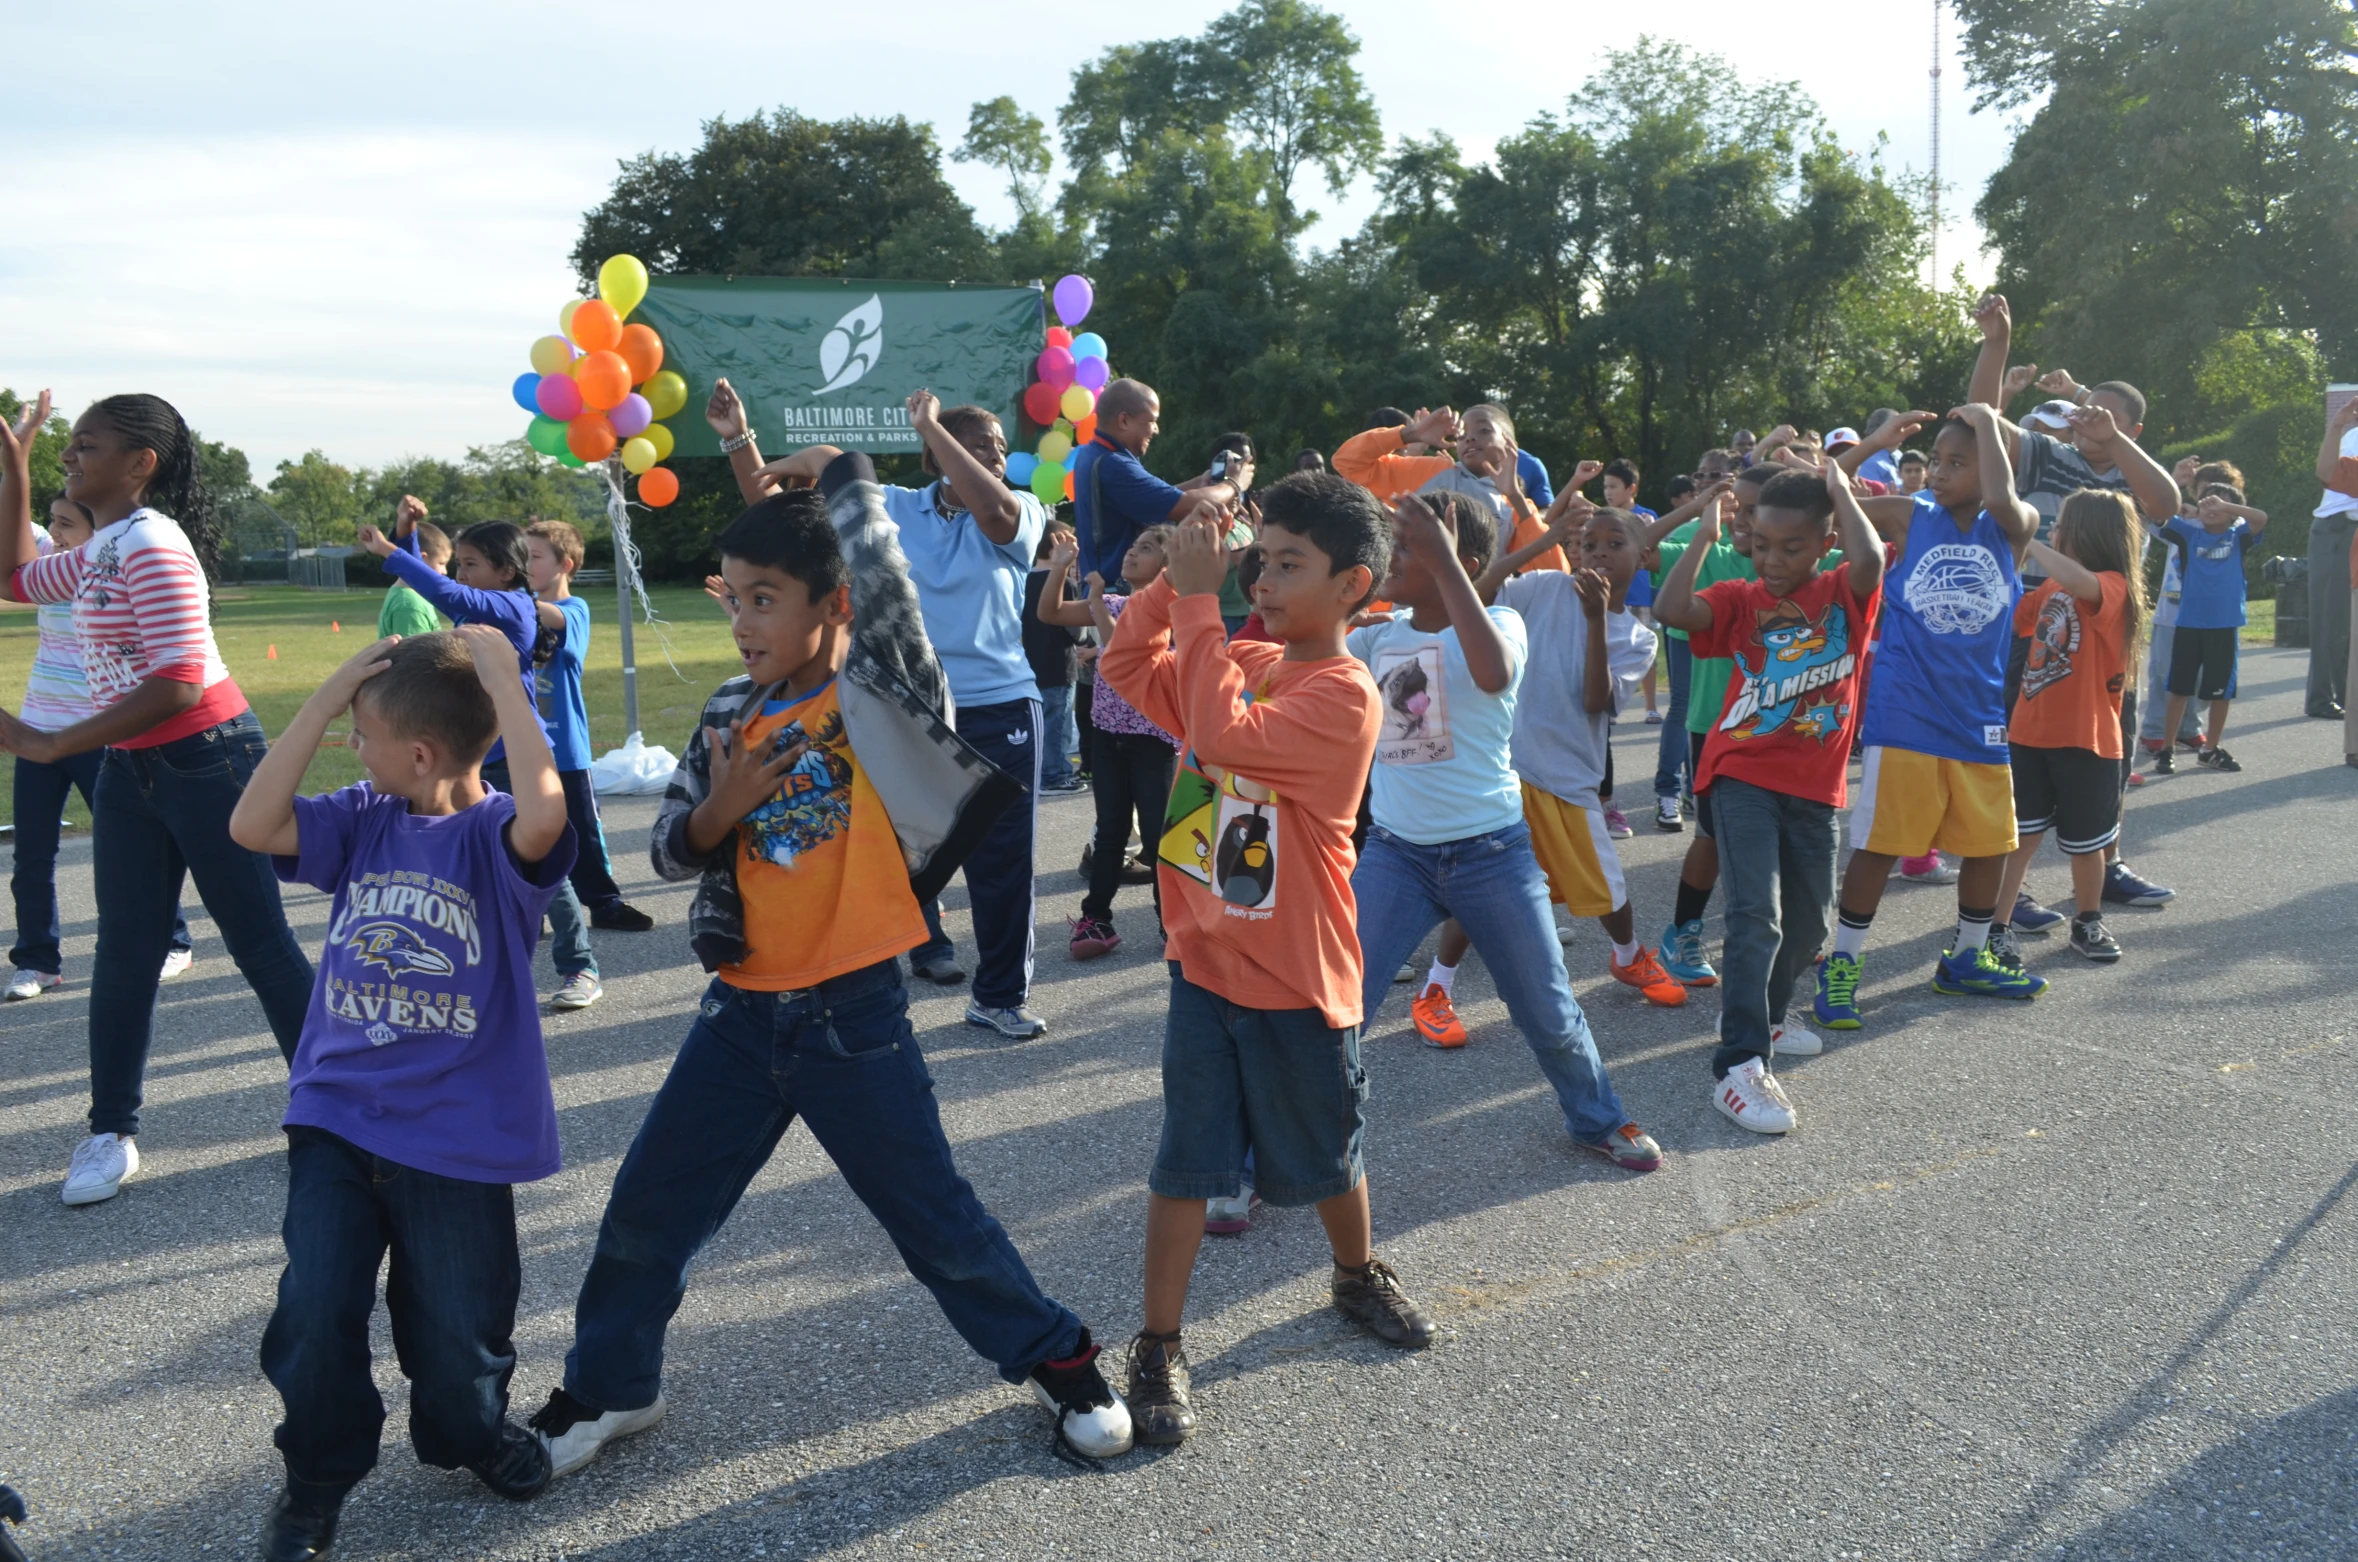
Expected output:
(599, 386)
(1063, 399)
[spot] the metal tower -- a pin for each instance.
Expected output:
(1933, 198)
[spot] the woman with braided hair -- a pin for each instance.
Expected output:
(180, 743)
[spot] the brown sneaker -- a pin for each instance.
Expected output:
(1159, 1412)
(1372, 1298)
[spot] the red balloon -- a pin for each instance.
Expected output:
(596, 327)
(642, 349)
(604, 380)
(1055, 366)
(590, 436)
(1058, 336)
(1039, 403)
(658, 486)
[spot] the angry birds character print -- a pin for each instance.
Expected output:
(812, 805)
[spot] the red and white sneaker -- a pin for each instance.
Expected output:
(1750, 1097)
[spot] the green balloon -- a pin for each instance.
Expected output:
(1048, 482)
(566, 457)
(547, 436)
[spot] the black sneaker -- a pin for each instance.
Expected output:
(1160, 1415)
(941, 970)
(2003, 948)
(622, 918)
(1090, 1417)
(2214, 757)
(302, 1525)
(517, 1466)
(2165, 763)
(1372, 1298)
(2090, 937)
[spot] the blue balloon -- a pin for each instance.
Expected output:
(522, 390)
(1072, 458)
(1021, 464)
(1088, 345)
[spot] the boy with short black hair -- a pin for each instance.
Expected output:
(556, 552)
(813, 869)
(420, 1091)
(1774, 766)
(2210, 545)
(1261, 1051)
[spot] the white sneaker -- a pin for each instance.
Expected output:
(30, 984)
(1564, 928)
(102, 1164)
(1788, 1040)
(1227, 1217)
(573, 1433)
(581, 989)
(1408, 972)
(1091, 1418)
(1750, 1097)
(176, 962)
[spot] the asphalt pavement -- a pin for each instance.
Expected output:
(2070, 1279)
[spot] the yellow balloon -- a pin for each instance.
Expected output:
(622, 282)
(1054, 447)
(565, 316)
(659, 435)
(638, 455)
(1079, 401)
(666, 393)
(552, 355)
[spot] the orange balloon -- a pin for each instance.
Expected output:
(642, 349)
(604, 380)
(590, 436)
(1085, 430)
(1068, 485)
(658, 487)
(596, 327)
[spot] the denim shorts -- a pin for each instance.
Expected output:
(1281, 1082)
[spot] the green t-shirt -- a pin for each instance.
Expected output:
(1233, 601)
(405, 613)
(1707, 685)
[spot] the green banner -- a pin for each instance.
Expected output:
(829, 360)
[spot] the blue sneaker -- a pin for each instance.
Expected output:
(1682, 954)
(2032, 919)
(2124, 888)
(1982, 974)
(1837, 1003)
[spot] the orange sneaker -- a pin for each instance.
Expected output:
(1436, 1020)
(1645, 973)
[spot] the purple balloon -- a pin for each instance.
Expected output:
(1056, 367)
(1073, 297)
(1092, 373)
(558, 397)
(632, 417)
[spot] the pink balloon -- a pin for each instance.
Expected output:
(1056, 367)
(632, 417)
(1091, 372)
(559, 397)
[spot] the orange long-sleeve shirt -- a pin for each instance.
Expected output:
(1373, 461)
(1256, 854)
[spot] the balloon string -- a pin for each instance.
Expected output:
(627, 562)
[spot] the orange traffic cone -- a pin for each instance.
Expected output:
(272, 653)
(335, 628)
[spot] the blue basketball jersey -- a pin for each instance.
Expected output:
(1939, 685)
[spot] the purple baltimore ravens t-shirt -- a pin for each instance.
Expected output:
(422, 1044)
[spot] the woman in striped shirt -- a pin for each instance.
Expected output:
(56, 696)
(180, 743)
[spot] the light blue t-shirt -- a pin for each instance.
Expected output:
(1444, 769)
(1939, 685)
(556, 689)
(2211, 590)
(970, 591)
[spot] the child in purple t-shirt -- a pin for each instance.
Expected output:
(420, 1092)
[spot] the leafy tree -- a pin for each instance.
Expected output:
(1281, 73)
(316, 497)
(999, 134)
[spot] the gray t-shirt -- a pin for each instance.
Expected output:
(2050, 470)
(1559, 745)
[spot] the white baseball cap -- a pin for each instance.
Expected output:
(2055, 415)
(1841, 439)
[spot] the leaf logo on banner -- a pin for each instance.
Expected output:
(852, 348)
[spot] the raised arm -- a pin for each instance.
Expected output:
(1596, 672)
(2155, 489)
(1564, 520)
(2016, 519)
(991, 502)
(454, 600)
(725, 414)
(1053, 608)
(532, 770)
(1891, 436)
(264, 819)
(1138, 660)
(1996, 320)
(2213, 508)
(1862, 546)
(1419, 529)
(1693, 505)
(2067, 572)
(1676, 603)
(17, 547)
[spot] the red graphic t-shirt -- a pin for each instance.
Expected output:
(1792, 707)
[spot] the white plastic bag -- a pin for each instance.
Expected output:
(633, 769)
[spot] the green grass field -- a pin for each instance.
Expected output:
(250, 620)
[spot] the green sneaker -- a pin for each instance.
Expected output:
(1837, 1003)
(1983, 975)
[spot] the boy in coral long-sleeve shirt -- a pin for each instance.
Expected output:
(1261, 1050)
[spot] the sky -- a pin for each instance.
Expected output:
(340, 227)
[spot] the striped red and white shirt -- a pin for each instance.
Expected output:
(141, 609)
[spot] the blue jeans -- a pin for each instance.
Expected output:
(569, 943)
(41, 792)
(1279, 1087)
(1059, 733)
(592, 877)
(1670, 757)
(999, 870)
(1776, 862)
(1493, 886)
(451, 1292)
(158, 816)
(843, 1057)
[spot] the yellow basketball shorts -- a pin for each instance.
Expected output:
(1909, 803)
(1574, 851)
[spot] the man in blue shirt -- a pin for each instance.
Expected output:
(1114, 496)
